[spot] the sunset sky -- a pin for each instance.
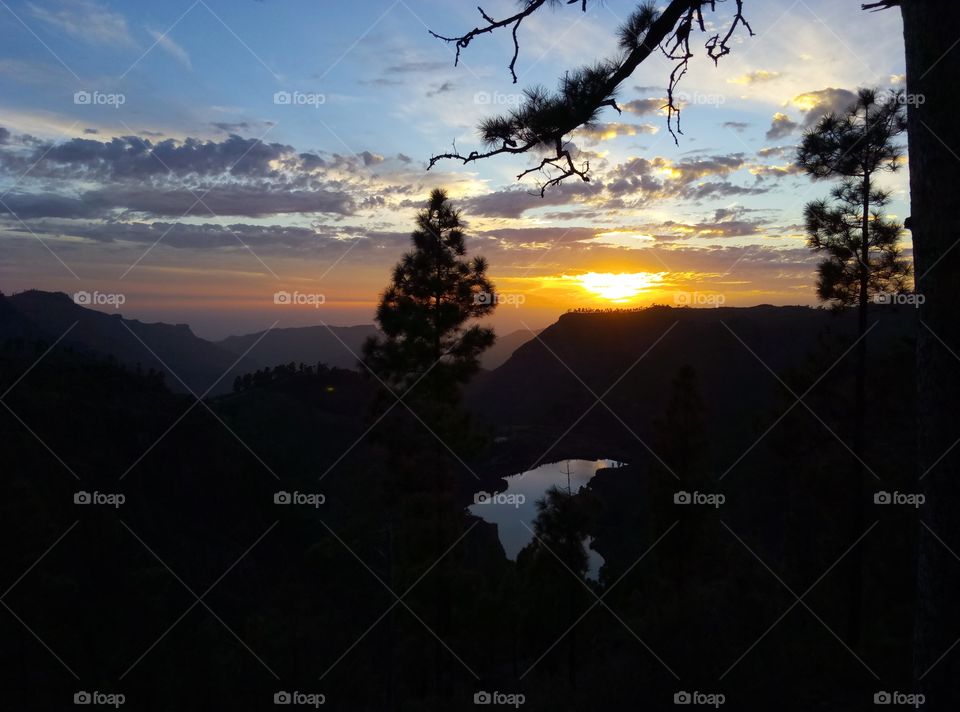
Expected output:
(145, 151)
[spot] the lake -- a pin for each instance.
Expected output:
(516, 506)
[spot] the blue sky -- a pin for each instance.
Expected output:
(318, 195)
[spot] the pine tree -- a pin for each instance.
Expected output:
(863, 256)
(423, 314)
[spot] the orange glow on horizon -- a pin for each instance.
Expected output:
(619, 288)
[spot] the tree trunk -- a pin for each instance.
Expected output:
(931, 29)
(855, 593)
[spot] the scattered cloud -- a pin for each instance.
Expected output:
(756, 77)
(84, 20)
(595, 133)
(775, 151)
(443, 88)
(165, 42)
(644, 107)
(738, 126)
(816, 104)
(781, 126)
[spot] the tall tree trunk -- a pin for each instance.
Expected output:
(931, 30)
(855, 593)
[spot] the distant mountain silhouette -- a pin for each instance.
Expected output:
(172, 349)
(534, 397)
(503, 348)
(336, 346)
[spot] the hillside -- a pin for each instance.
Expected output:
(173, 349)
(536, 396)
(336, 346)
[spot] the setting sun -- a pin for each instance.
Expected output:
(621, 287)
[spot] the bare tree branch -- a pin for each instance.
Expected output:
(515, 20)
(543, 122)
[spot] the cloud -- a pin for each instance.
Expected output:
(165, 42)
(512, 203)
(130, 157)
(445, 87)
(85, 20)
(658, 179)
(415, 67)
(235, 176)
(781, 126)
(816, 104)
(756, 77)
(738, 126)
(775, 171)
(381, 82)
(644, 107)
(775, 151)
(370, 159)
(230, 128)
(594, 133)
(27, 206)
(537, 236)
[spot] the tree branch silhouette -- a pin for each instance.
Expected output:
(544, 120)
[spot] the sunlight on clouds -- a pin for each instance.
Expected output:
(623, 238)
(761, 75)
